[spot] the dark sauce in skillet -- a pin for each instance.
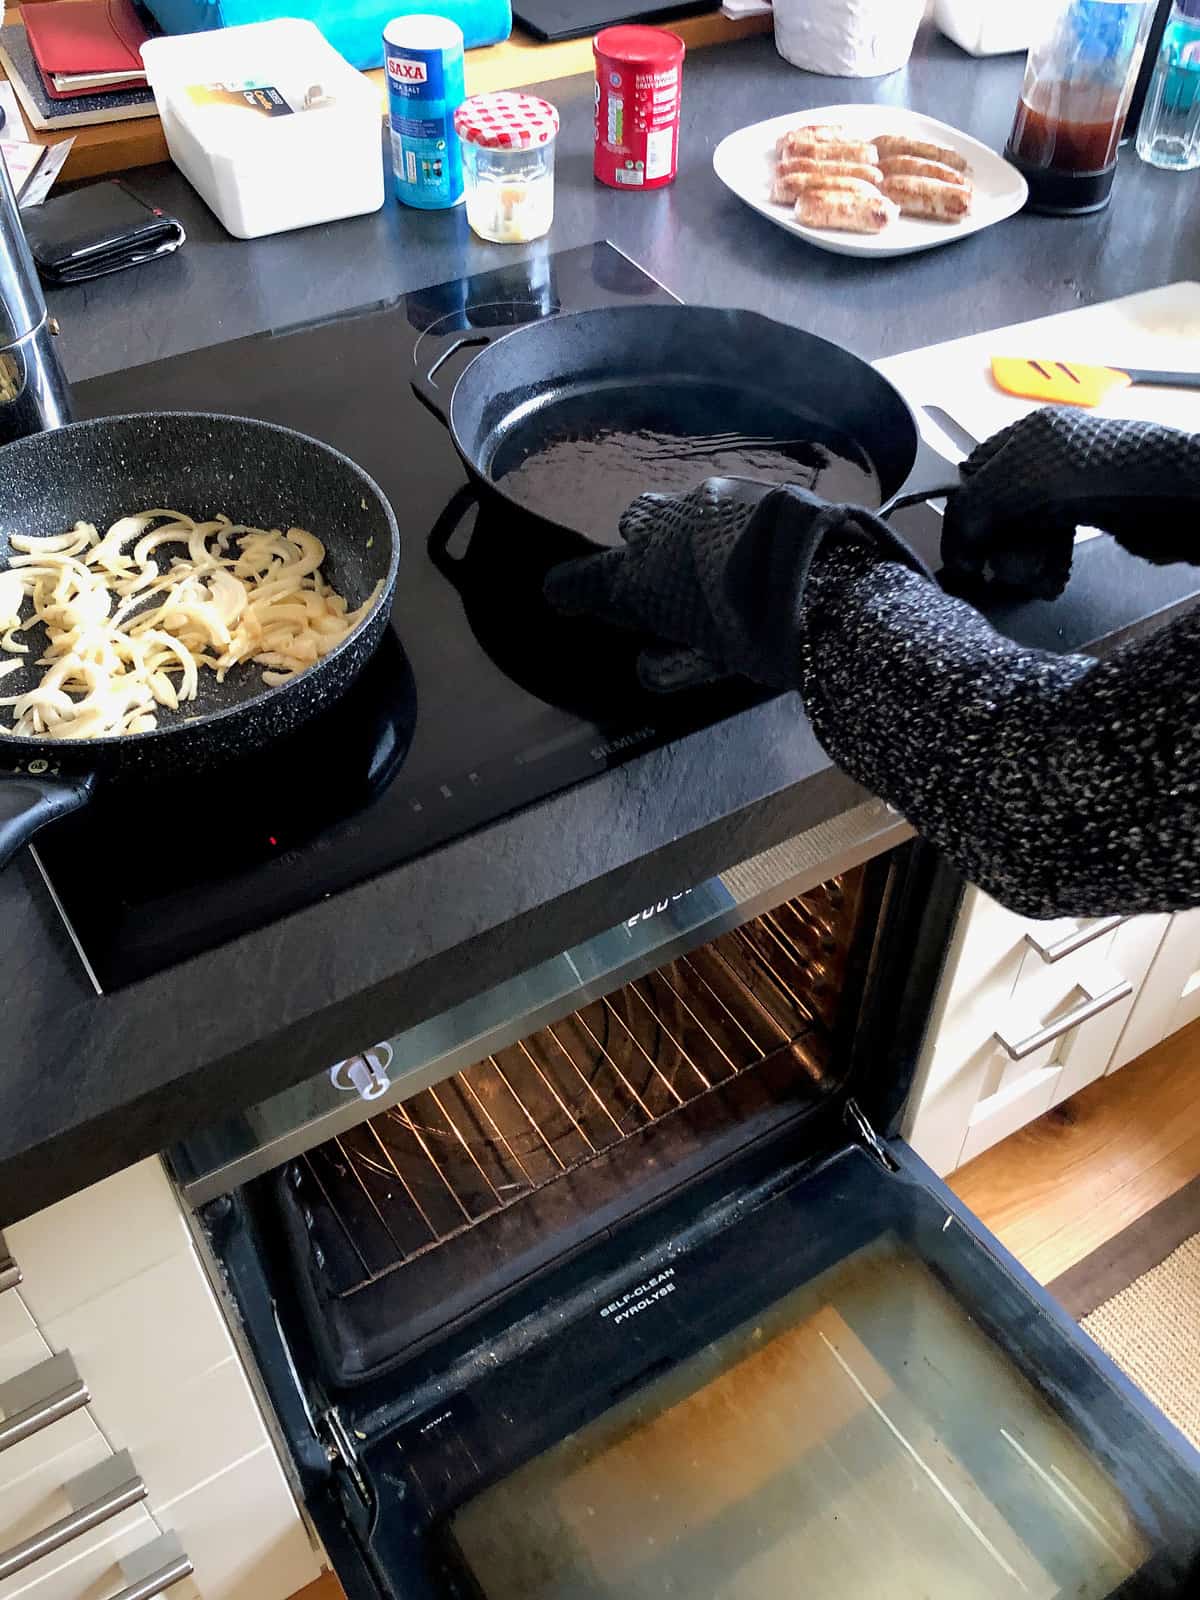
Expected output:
(568, 463)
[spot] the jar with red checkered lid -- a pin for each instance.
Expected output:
(508, 164)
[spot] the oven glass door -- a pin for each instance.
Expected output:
(873, 1400)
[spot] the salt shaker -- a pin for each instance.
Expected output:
(423, 57)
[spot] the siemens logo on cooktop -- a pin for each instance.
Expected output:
(601, 752)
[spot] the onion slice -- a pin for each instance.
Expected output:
(123, 625)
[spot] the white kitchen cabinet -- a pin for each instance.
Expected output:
(111, 1277)
(980, 974)
(85, 1245)
(87, 1569)
(32, 1379)
(242, 1532)
(1027, 1013)
(33, 1499)
(1170, 996)
(210, 1421)
(28, 1349)
(15, 1324)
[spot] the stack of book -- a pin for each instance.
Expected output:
(78, 63)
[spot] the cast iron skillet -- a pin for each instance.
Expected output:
(201, 464)
(688, 370)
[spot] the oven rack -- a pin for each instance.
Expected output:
(529, 1116)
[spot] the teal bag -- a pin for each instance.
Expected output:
(353, 27)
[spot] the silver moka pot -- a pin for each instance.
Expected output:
(34, 394)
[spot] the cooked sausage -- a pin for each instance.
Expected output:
(790, 186)
(926, 197)
(799, 143)
(889, 145)
(848, 213)
(811, 132)
(916, 167)
(835, 169)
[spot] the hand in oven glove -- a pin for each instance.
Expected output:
(718, 576)
(1026, 490)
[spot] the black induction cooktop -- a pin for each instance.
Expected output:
(479, 701)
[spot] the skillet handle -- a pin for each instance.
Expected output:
(449, 519)
(932, 478)
(428, 392)
(29, 801)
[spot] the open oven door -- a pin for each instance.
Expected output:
(837, 1384)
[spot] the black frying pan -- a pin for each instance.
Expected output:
(569, 418)
(201, 464)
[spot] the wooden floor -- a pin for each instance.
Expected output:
(326, 1588)
(1056, 1190)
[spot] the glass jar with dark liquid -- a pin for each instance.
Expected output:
(1078, 81)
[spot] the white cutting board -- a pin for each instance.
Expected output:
(1157, 328)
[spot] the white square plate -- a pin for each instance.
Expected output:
(745, 162)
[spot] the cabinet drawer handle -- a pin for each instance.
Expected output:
(154, 1568)
(1070, 942)
(10, 1272)
(1090, 1006)
(44, 1394)
(98, 1495)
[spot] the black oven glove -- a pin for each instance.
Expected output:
(718, 576)
(1027, 489)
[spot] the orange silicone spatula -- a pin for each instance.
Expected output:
(1072, 383)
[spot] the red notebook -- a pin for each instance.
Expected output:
(86, 41)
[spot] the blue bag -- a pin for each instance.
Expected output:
(353, 27)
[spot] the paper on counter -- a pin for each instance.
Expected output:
(1153, 328)
(14, 122)
(43, 179)
(22, 161)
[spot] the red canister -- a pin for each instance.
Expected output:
(639, 77)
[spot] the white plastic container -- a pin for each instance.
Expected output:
(269, 125)
(847, 38)
(988, 27)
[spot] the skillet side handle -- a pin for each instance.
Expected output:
(28, 802)
(932, 478)
(444, 530)
(428, 391)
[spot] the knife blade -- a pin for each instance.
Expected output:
(954, 431)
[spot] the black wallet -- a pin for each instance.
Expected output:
(98, 229)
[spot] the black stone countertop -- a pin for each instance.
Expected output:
(87, 1084)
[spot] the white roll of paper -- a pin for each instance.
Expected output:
(847, 38)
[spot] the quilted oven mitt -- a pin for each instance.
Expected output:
(717, 575)
(1026, 490)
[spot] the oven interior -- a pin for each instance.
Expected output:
(408, 1223)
